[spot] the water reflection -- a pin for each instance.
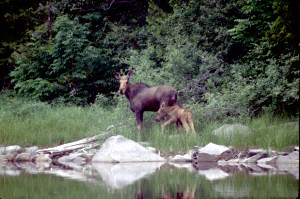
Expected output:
(121, 174)
(149, 180)
(188, 194)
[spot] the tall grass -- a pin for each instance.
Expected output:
(26, 123)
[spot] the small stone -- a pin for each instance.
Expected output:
(183, 158)
(3, 159)
(22, 157)
(31, 150)
(43, 158)
(256, 151)
(10, 149)
(253, 159)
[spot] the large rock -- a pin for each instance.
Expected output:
(211, 152)
(231, 129)
(213, 149)
(289, 163)
(292, 158)
(120, 149)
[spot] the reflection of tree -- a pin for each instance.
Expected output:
(188, 194)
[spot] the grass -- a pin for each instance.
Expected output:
(28, 123)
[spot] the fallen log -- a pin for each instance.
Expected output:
(84, 144)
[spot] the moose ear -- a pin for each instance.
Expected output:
(129, 73)
(163, 104)
(117, 75)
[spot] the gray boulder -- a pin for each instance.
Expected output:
(292, 158)
(120, 149)
(231, 129)
(32, 150)
(211, 152)
(213, 149)
(43, 160)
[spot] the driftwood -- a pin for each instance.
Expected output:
(82, 145)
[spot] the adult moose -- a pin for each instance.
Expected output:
(143, 97)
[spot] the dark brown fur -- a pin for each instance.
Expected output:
(143, 97)
(182, 117)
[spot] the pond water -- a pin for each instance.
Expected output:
(147, 180)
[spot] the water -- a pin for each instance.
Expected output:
(147, 180)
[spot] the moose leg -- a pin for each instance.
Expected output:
(139, 119)
(192, 127)
(179, 126)
(191, 123)
(167, 123)
(186, 126)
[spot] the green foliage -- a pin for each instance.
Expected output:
(232, 57)
(64, 66)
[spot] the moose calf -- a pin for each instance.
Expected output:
(177, 114)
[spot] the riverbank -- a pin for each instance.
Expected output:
(118, 150)
(30, 123)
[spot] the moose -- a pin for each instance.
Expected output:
(143, 97)
(177, 114)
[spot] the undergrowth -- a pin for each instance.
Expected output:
(26, 123)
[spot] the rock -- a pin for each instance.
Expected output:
(74, 160)
(120, 149)
(10, 149)
(31, 150)
(231, 129)
(257, 151)
(22, 157)
(183, 165)
(43, 160)
(204, 157)
(3, 160)
(183, 158)
(296, 148)
(227, 155)
(292, 158)
(253, 159)
(151, 149)
(210, 153)
(213, 149)
(231, 162)
(267, 162)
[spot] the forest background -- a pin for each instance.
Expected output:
(226, 58)
(236, 56)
